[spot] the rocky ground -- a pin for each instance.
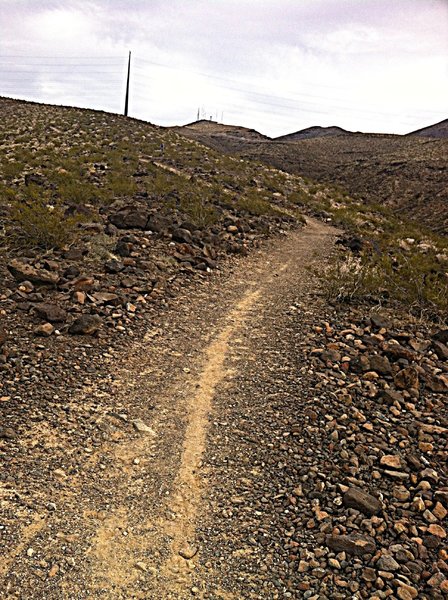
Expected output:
(183, 414)
(257, 444)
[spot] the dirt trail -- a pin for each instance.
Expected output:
(126, 525)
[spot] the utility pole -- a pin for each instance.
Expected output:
(126, 101)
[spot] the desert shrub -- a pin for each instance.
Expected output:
(299, 197)
(121, 185)
(254, 203)
(200, 212)
(12, 169)
(35, 222)
(416, 281)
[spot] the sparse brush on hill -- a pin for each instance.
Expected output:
(37, 222)
(396, 262)
(73, 166)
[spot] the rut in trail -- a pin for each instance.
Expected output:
(148, 515)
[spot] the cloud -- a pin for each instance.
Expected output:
(274, 65)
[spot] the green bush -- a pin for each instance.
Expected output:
(201, 213)
(36, 223)
(254, 203)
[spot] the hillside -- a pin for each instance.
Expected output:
(103, 218)
(217, 130)
(405, 173)
(438, 130)
(312, 132)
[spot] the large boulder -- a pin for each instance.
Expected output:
(130, 217)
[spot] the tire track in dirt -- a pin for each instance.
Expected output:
(188, 485)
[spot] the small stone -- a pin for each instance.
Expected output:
(85, 325)
(380, 364)
(439, 511)
(30, 552)
(428, 516)
(418, 504)
(437, 530)
(44, 330)
(334, 563)
(429, 474)
(53, 571)
(50, 312)
(188, 552)
(436, 580)
(407, 379)
(354, 544)
(401, 493)
(369, 574)
(303, 566)
(392, 461)
(141, 427)
(142, 566)
(406, 592)
(425, 447)
(441, 350)
(397, 474)
(387, 563)
(79, 297)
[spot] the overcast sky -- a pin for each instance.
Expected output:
(275, 65)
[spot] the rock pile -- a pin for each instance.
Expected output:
(375, 503)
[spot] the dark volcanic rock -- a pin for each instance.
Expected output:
(441, 336)
(355, 544)
(130, 218)
(182, 235)
(441, 350)
(113, 266)
(50, 312)
(85, 325)
(362, 501)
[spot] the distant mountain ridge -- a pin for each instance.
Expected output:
(215, 129)
(406, 173)
(313, 132)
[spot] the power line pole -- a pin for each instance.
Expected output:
(126, 101)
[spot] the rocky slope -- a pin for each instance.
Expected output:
(438, 130)
(103, 221)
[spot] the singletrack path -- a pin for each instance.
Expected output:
(176, 497)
